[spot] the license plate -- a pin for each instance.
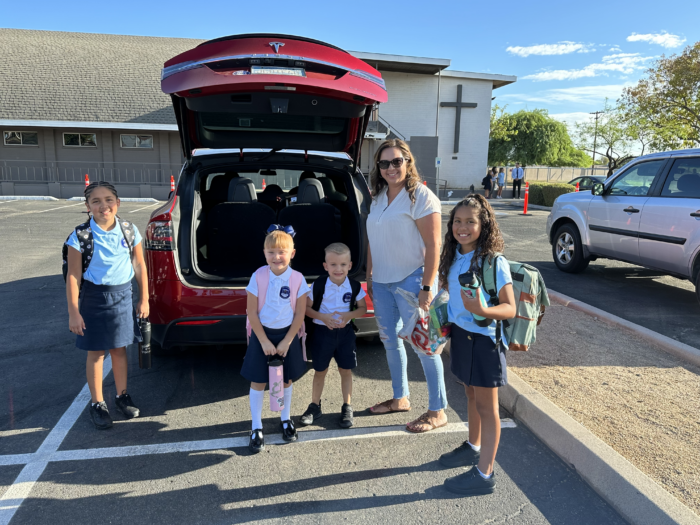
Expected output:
(290, 71)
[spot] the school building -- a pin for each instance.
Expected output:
(73, 104)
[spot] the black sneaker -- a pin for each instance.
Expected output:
(471, 483)
(346, 416)
(313, 412)
(257, 441)
(463, 456)
(100, 415)
(289, 433)
(126, 406)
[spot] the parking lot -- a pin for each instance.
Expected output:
(185, 459)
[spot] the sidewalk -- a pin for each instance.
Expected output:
(638, 399)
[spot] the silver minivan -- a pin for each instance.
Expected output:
(646, 214)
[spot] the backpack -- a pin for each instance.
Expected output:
(530, 301)
(84, 234)
(319, 289)
(486, 181)
(262, 278)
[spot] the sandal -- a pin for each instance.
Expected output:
(423, 420)
(386, 404)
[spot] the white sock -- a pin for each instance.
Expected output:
(484, 475)
(256, 405)
(475, 447)
(287, 410)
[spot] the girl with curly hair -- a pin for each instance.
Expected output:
(477, 354)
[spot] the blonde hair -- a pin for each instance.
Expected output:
(337, 248)
(413, 178)
(279, 239)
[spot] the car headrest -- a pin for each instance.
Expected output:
(330, 191)
(241, 190)
(310, 192)
(272, 190)
(690, 182)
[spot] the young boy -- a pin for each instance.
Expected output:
(332, 307)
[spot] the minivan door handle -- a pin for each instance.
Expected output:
(696, 214)
(630, 209)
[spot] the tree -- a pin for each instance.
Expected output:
(532, 137)
(668, 99)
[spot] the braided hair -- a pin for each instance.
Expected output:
(98, 184)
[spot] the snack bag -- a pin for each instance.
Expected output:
(427, 331)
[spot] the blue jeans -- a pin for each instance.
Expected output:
(391, 311)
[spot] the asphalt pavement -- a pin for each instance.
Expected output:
(185, 460)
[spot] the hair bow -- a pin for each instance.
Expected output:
(285, 229)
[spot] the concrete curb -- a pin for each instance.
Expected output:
(26, 198)
(673, 347)
(517, 204)
(123, 199)
(635, 496)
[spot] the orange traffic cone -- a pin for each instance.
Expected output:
(87, 180)
(264, 185)
(527, 197)
(172, 183)
(425, 183)
(577, 187)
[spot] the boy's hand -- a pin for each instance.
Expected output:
(76, 324)
(142, 309)
(328, 319)
(283, 347)
(473, 304)
(345, 318)
(268, 347)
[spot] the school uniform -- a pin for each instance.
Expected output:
(276, 317)
(475, 357)
(339, 343)
(105, 302)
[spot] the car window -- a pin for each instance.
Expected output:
(637, 180)
(684, 179)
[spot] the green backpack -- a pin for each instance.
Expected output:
(530, 301)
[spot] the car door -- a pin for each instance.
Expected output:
(670, 221)
(613, 218)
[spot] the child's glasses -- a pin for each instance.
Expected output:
(285, 229)
(396, 163)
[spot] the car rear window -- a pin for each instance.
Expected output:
(683, 180)
(280, 123)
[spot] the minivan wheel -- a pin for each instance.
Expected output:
(567, 250)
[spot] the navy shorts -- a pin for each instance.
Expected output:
(255, 367)
(475, 359)
(326, 344)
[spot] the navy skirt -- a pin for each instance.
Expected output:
(476, 360)
(255, 367)
(109, 316)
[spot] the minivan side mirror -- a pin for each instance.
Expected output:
(597, 188)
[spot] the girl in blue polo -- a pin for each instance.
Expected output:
(100, 307)
(477, 354)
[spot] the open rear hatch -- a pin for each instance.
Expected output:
(272, 92)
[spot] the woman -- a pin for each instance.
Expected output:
(487, 183)
(501, 182)
(404, 245)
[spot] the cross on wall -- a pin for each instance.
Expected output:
(458, 118)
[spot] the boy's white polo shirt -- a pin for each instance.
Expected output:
(277, 311)
(337, 298)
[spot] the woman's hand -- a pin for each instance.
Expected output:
(268, 348)
(142, 309)
(473, 304)
(76, 324)
(370, 291)
(424, 300)
(283, 347)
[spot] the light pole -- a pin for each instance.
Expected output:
(595, 137)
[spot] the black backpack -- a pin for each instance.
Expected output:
(320, 288)
(84, 234)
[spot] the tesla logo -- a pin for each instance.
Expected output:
(276, 46)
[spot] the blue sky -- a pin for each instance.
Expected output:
(568, 56)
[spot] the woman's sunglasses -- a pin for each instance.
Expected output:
(396, 163)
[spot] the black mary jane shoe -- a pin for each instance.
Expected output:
(257, 441)
(289, 433)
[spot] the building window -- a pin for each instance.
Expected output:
(21, 138)
(137, 141)
(88, 140)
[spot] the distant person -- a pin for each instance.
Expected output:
(501, 182)
(104, 319)
(486, 182)
(517, 174)
(494, 182)
(335, 300)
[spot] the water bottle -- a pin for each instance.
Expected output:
(470, 283)
(276, 381)
(145, 344)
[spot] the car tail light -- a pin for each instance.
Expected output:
(159, 236)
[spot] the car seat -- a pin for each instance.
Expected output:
(689, 185)
(273, 196)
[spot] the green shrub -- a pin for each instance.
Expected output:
(550, 192)
(536, 196)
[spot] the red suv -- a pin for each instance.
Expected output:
(271, 127)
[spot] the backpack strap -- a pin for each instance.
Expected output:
(355, 286)
(493, 290)
(318, 290)
(262, 279)
(83, 233)
(129, 234)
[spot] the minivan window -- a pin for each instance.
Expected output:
(684, 179)
(637, 180)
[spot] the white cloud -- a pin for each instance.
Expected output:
(664, 39)
(571, 118)
(580, 94)
(615, 49)
(625, 63)
(560, 48)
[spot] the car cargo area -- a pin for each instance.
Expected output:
(232, 212)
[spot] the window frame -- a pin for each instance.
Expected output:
(137, 135)
(667, 174)
(652, 187)
(80, 140)
(21, 138)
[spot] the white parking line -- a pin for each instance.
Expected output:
(39, 211)
(150, 206)
(5, 202)
(32, 471)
